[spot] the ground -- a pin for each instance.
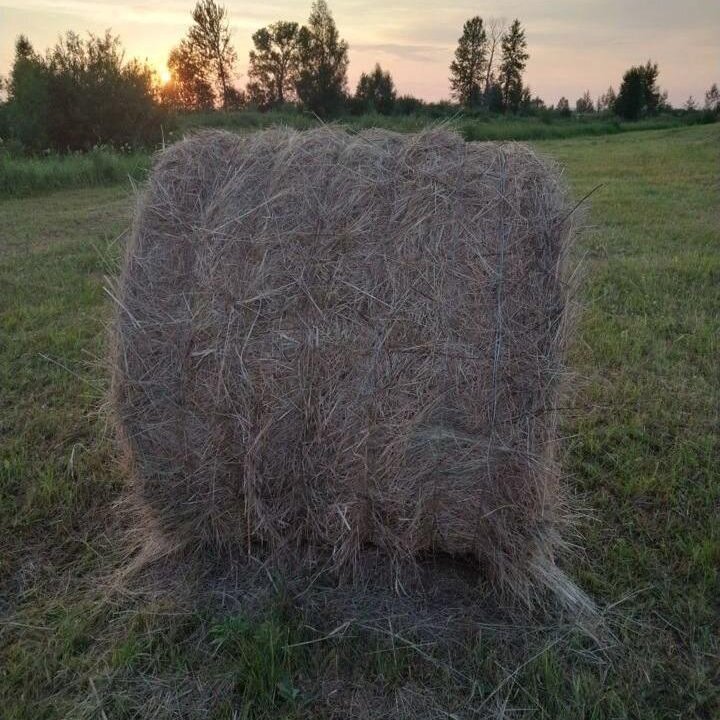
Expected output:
(640, 450)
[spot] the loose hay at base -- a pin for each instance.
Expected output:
(329, 342)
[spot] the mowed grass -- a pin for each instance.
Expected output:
(640, 447)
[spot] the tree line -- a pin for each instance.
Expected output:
(83, 92)
(306, 65)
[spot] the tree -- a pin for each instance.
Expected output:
(537, 103)
(639, 95)
(512, 64)
(584, 104)
(526, 100)
(691, 104)
(323, 61)
(376, 91)
(663, 103)
(4, 127)
(96, 97)
(273, 68)
(607, 100)
(208, 40)
(468, 69)
(494, 98)
(654, 98)
(495, 32)
(235, 99)
(408, 105)
(712, 99)
(82, 94)
(189, 87)
(563, 107)
(28, 97)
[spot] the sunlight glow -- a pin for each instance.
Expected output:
(574, 46)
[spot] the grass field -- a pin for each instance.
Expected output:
(473, 126)
(26, 176)
(641, 448)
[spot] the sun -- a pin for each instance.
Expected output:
(165, 76)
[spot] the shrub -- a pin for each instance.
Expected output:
(81, 95)
(408, 105)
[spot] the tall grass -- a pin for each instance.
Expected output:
(557, 129)
(20, 177)
(474, 126)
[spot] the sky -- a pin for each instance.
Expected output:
(574, 45)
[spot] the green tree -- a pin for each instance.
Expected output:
(639, 94)
(408, 105)
(376, 91)
(536, 103)
(712, 99)
(209, 40)
(235, 98)
(80, 95)
(606, 101)
(563, 107)
(494, 98)
(584, 104)
(513, 61)
(190, 87)
(468, 69)
(526, 100)
(274, 64)
(96, 97)
(323, 61)
(28, 97)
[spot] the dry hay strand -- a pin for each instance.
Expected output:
(328, 342)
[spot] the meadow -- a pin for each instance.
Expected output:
(22, 176)
(640, 449)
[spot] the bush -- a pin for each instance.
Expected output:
(81, 95)
(408, 105)
(4, 123)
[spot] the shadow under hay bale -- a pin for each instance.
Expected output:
(328, 342)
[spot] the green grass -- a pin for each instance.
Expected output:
(23, 177)
(473, 126)
(641, 447)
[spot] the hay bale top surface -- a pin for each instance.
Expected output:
(330, 342)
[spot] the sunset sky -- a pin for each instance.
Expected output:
(574, 44)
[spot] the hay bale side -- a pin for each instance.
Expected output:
(327, 342)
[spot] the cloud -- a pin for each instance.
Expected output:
(110, 13)
(403, 51)
(573, 44)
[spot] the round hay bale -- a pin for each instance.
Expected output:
(329, 342)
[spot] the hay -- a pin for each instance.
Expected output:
(327, 343)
